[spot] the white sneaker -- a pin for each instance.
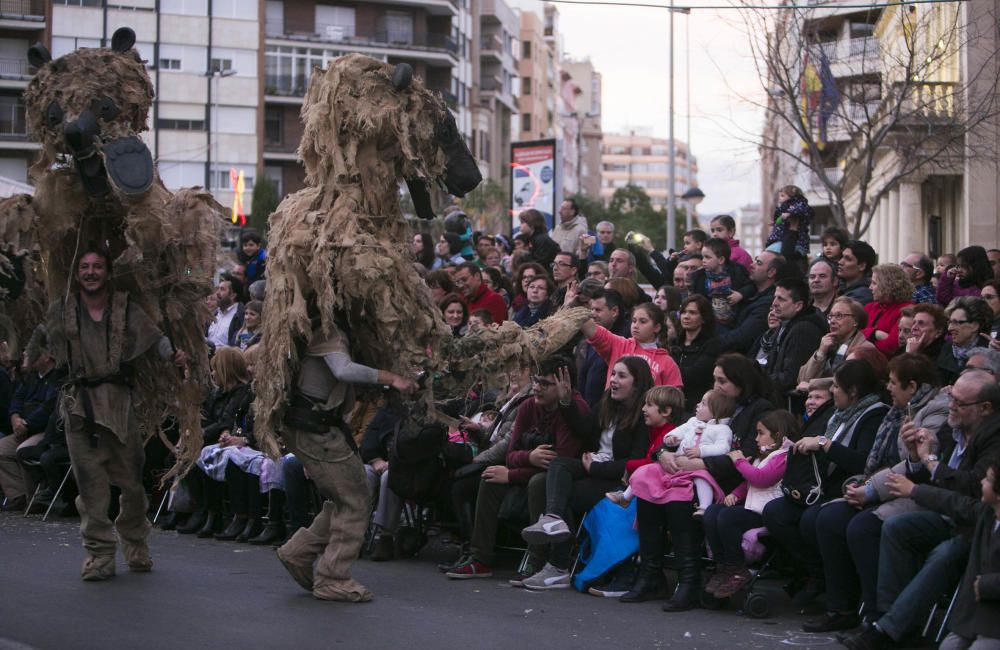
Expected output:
(548, 578)
(548, 529)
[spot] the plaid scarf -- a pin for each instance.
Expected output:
(882, 453)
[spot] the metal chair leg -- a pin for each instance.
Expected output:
(930, 619)
(947, 615)
(55, 496)
(576, 538)
(31, 502)
(163, 501)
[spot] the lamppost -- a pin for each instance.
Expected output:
(693, 196)
(214, 130)
(672, 149)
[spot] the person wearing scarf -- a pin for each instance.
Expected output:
(842, 452)
(968, 318)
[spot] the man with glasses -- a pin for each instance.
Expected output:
(598, 271)
(548, 424)
(919, 268)
(564, 269)
(921, 555)
(985, 359)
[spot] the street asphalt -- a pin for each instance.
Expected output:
(210, 594)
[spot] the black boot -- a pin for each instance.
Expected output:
(232, 531)
(193, 524)
(213, 524)
(172, 520)
(274, 531)
(687, 595)
(254, 526)
(651, 584)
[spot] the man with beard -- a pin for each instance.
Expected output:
(97, 334)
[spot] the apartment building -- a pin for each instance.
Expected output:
(434, 36)
(642, 160)
(586, 112)
(22, 23)
(537, 67)
(495, 109)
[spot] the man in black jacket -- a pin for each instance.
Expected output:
(907, 583)
(798, 335)
(751, 321)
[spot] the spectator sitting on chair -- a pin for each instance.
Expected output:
(31, 408)
(549, 425)
(52, 456)
(798, 336)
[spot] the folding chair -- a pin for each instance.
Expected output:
(55, 497)
(944, 620)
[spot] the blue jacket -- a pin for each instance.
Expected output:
(35, 400)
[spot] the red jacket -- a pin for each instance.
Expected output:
(533, 418)
(884, 318)
(491, 301)
(656, 436)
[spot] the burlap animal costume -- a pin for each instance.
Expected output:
(97, 189)
(340, 277)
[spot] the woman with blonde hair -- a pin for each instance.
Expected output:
(892, 292)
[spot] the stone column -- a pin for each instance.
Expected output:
(892, 245)
(912, 219)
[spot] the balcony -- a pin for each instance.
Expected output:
(16, 69)
(23, 14)
(286, 85)
(380, 38)
(491, 48)
(13, 125)
(853, 56)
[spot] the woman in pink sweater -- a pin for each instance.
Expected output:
(648, 321)
(726, 522)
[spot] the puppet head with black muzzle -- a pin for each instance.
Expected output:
(90, 105)
(358, 105)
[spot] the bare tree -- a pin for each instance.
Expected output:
(902, 100)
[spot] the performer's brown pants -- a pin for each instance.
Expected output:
(337, 533)
(96, 469)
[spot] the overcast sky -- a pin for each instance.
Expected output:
(629, 46)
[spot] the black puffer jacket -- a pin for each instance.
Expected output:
(224, 411)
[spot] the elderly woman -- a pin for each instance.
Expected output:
(847, 531)
(842, 451)
(969, 322)
(696, 349)
(927, 331)
(892, 292)
(739, 378)
(847, 318)
(970, 274)
(991, 294)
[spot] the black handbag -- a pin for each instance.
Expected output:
(803, 480)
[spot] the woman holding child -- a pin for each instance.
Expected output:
(739, 379)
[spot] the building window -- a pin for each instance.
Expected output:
(221, 65)
(180, 125)
(526, 86)
(335, 23)
(273, 125)
(526, 121)
(526, 49)
(219, 178)
(170, 64)
(186, 7)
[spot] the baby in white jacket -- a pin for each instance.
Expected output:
(706, 434)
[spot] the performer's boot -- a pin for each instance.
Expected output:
(274, 531)
(98, 567)
(253, 526)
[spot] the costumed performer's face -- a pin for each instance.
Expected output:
(92, 273)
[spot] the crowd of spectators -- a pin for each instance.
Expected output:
(845, 405)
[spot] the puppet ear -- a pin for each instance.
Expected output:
(38, 55)
(123, 39)
(402, 75)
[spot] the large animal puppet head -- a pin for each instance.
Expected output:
(90, 105)
(360, 107)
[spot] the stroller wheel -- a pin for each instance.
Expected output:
(757, 606)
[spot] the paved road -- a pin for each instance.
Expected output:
(205, 593)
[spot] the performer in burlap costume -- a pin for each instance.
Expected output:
(341, 283)
(126, 262)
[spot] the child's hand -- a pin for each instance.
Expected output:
(734, 298)
(730, 500)
(693, 453)
(736, 455)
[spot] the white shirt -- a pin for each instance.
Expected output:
(218, 331)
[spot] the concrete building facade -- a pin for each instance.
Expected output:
(642, 160)
(587, 115)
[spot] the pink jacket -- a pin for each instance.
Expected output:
(763, 479)
(612, 347)
(739, 255)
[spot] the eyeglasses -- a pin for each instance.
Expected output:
(555, 264)
(960, 404)
(833, 316)
(956, 322)
(544, 383)
(907, 265)
(969, 367)
(595, 274)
